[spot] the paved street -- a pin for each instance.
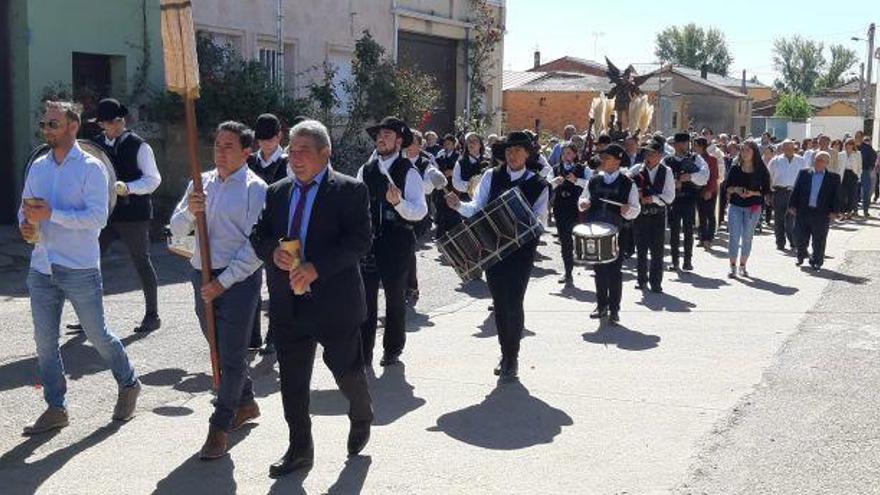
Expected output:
(764, 385)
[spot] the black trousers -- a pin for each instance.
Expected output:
(257, 330)
(564, 227)
(394, 282)
(626, 240)
(811, 224)
(444, 217)
(682, 216)
(609, 284)
(722, 203)
(706, 210)
(136, 237)
(783, 226)
(649, 232)
(508, 280)
(412, 277)
(342, 355)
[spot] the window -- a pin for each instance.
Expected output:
(542, 102)
(223, 40)
(675, 120)
(273, 61)
(341, 63)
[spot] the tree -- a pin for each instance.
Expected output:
(842, 60)
(794, 106)
(694, 47)
(801, 63)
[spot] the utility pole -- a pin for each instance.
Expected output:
(279, 57)
(869, 102)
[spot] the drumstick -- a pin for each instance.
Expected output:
(615, 203)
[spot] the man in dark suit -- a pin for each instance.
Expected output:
(328, 213)
(814, 204)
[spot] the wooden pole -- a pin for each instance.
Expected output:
(202, 233)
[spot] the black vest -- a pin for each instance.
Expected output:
(276, 170)
(649, 188)
(531, 188)
(617, 191)
(565, 196)
(468, 169)
(123, 153)
(684, 165)
(447, 162)
(422, 162)
(393, 236)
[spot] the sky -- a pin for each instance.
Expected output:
(626, 30)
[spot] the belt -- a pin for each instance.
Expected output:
(781, 188)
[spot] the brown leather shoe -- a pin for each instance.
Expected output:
(51, 419)
(126, 402)
(215, 445)
(245, 413)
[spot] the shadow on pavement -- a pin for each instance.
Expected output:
(576, 293)
(352, 477)
(699, 281)
(488, 329)
(198, 476)
(665, 301)
(622, 337)
(393, 397)
(24, 477)
(79, 360)
(836, 276)
(509, 418)
(759, 283)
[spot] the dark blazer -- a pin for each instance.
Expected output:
(826, 203)
(338, 236)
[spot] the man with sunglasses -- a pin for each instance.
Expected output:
(137, 177)
(64, 224)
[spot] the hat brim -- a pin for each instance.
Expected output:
(373, 131)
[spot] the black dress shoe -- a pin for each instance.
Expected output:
(599, 313)
(148, 324)
(501, 365)
(687, 266)
(390, 360)
(358, 436)
(657, 289)
(614, 318)
(291, 461)
(641, 286)
(799, 262)
(511, 371)
(673, 267)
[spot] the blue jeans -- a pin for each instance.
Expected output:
(741, 222)
(233, 321)
(867, 186)
(83, 288)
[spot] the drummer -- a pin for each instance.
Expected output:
(509, 277)
(568, 182)
(610, 197)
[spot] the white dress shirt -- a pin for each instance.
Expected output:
(546, 169)
(77, 192)
(458, 183)
(146, 162)
(718, 153)
(481, 196)
(784, 172)
(632, 199)
(412, 206)
(432, 174)
(278, 153)
(667, 195)
(851, 161)
(568, 168)
(232, 208)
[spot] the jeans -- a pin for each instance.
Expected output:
(867, 189)
(741, 222)
(84, 289)
(233, 322)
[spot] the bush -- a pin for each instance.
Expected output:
(794, 106)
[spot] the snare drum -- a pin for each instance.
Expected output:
(595, 243)
(490, 235)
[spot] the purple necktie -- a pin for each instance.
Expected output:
(296, 223)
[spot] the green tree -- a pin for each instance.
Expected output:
(694, 47)
(794, 106)
(800, 62)
(843, 60)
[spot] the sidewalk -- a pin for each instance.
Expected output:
(597, 410)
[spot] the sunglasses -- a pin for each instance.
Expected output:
(52, 124)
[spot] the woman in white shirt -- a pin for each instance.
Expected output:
(850, 162)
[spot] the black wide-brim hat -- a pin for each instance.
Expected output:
(393, 124)
(109, 109)
(681, 137)
(517, 138)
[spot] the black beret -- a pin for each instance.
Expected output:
(604, 139)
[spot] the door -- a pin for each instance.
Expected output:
(436, 57)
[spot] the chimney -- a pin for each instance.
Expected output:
(744, 90)
(704, 71)
(537, 59)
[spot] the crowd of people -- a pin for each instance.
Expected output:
(325, 240)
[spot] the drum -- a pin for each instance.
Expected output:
(490, 235)
(595, 243)
(91, 148)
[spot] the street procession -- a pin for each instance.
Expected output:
(605, 275)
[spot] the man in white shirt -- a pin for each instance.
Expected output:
(656, 192)
(397, 203)
(600, 199)
(138, 177)
(784, 170)
(64, 207)
(509, 278)
(232, 199)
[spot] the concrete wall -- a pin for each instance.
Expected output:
(46, 33)
(836, 127)
(838, 109)
(708, 107)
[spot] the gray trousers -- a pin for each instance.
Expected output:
(136, 237)
(783, 222)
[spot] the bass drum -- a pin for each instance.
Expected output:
(90, 147)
